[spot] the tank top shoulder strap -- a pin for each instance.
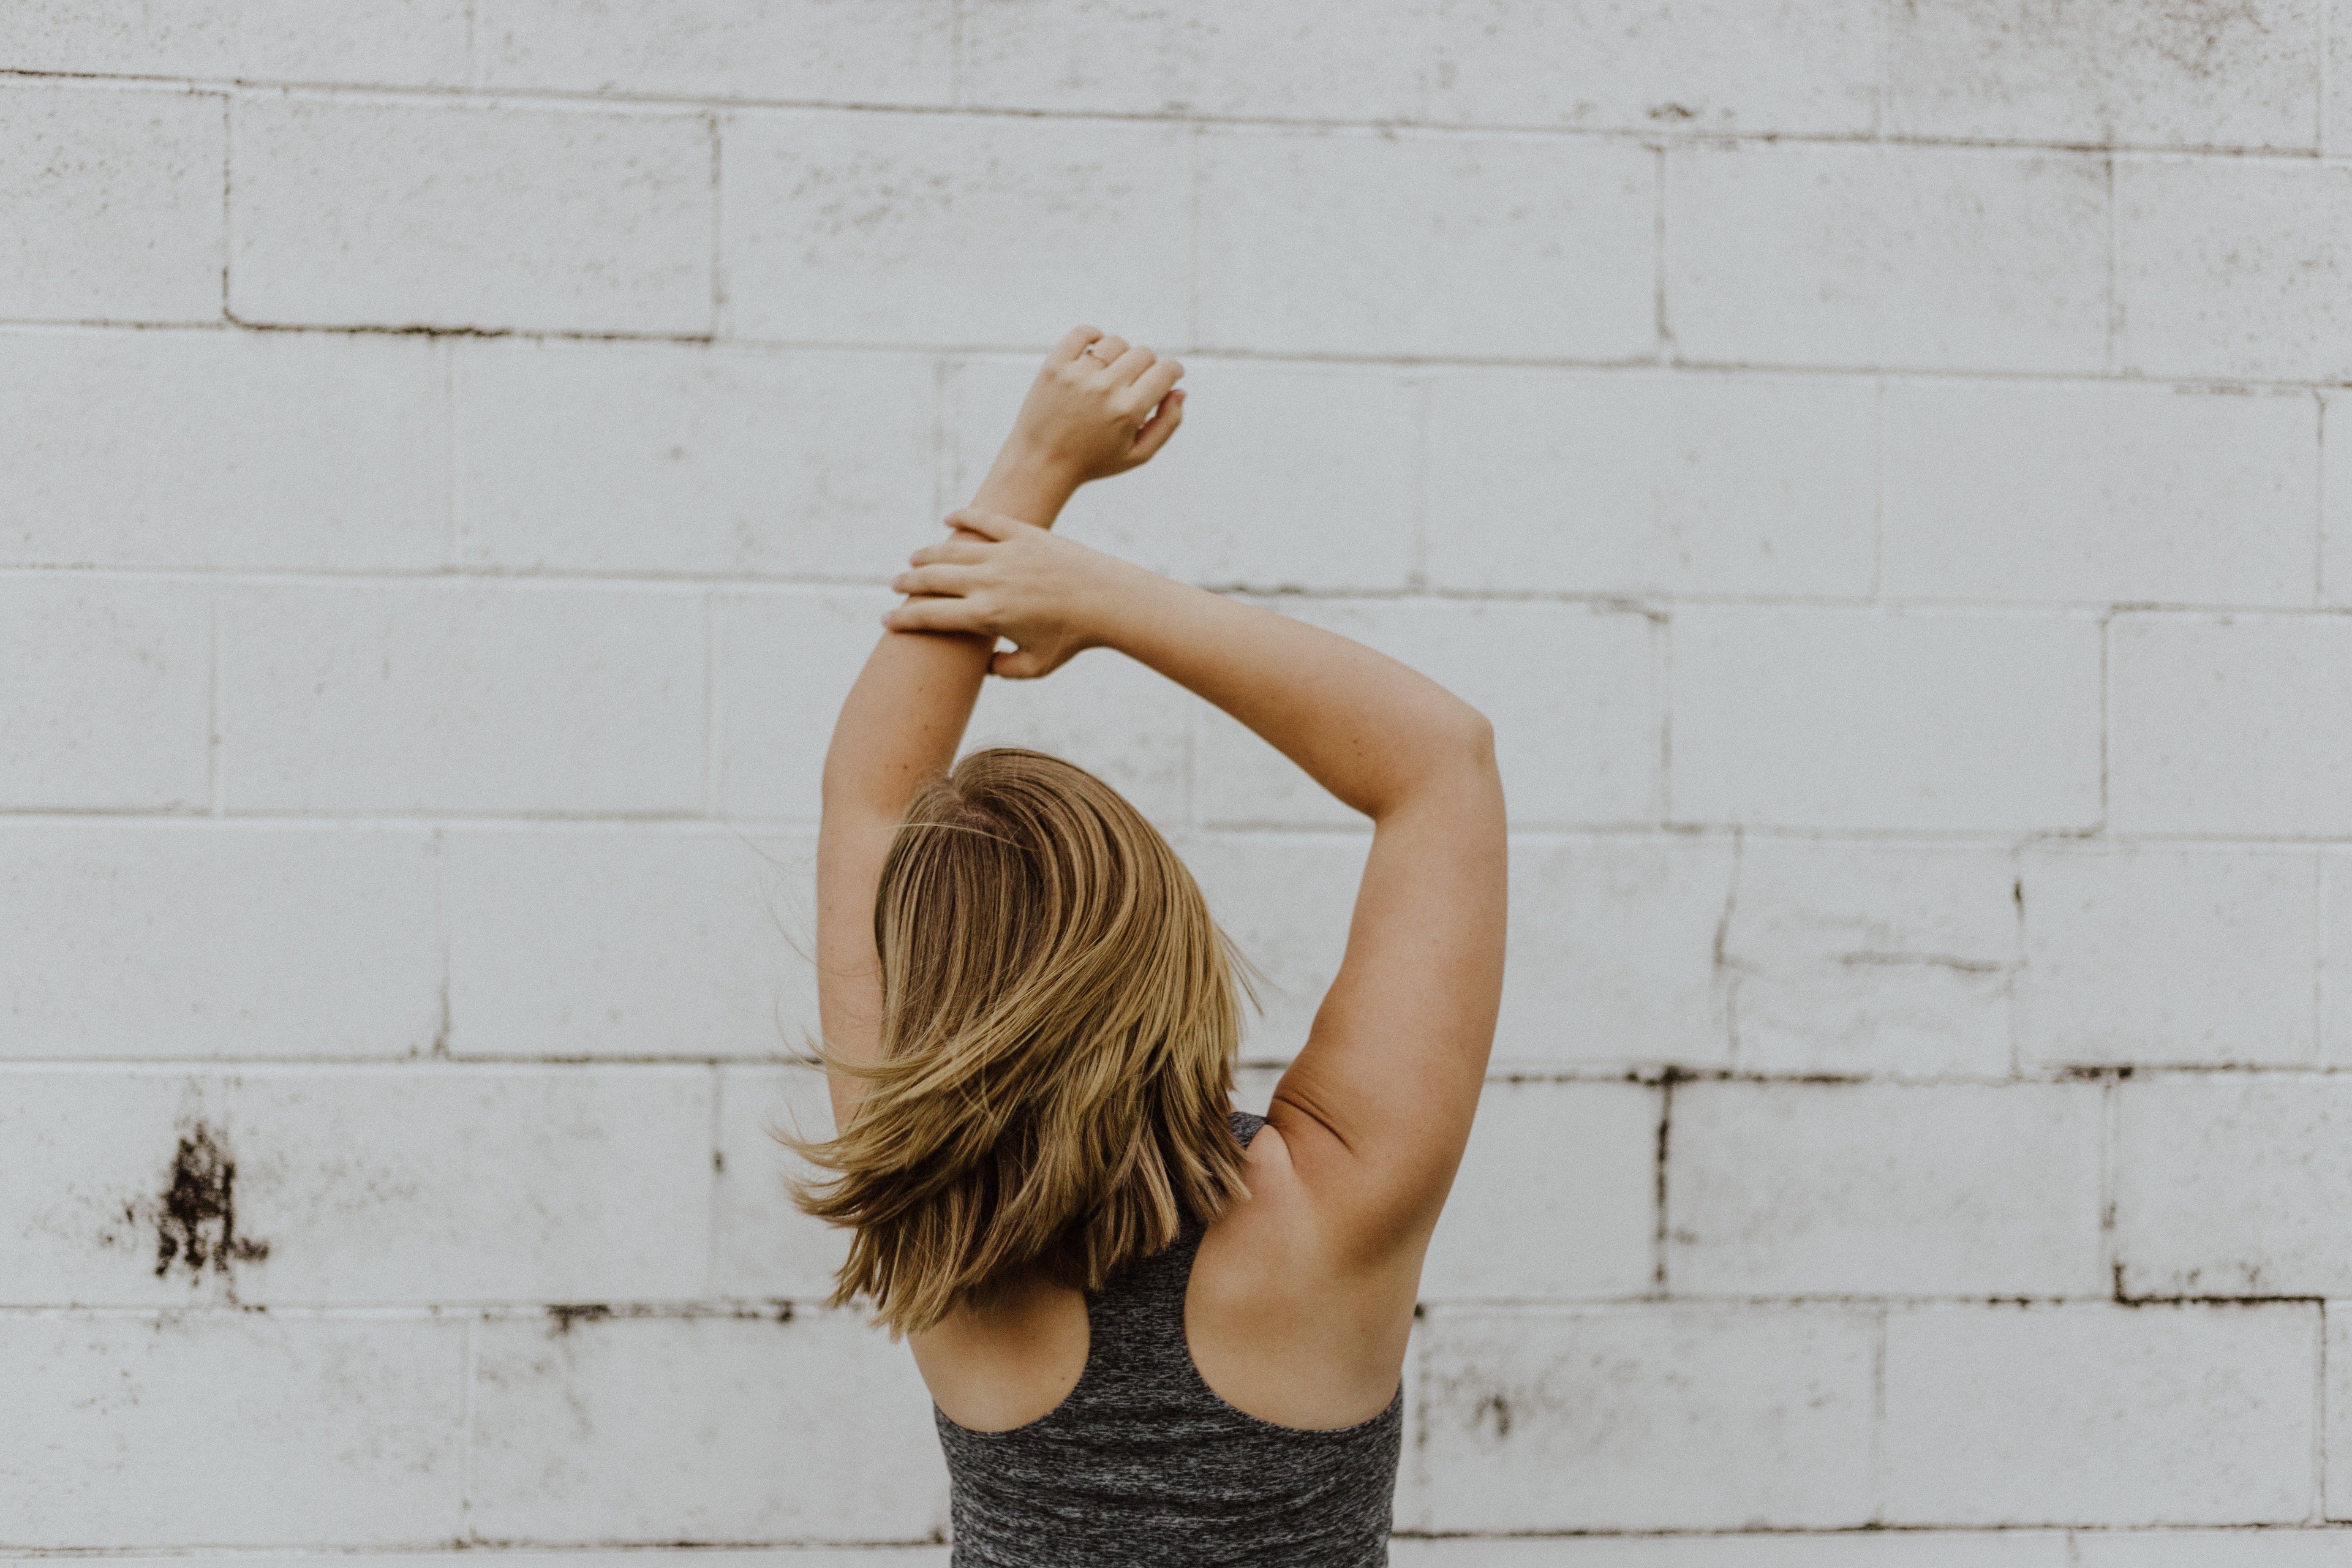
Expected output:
(1137, 1320)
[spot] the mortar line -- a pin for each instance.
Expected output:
(1876, 1463)
(1878, 488)
(721, 307)
(452, 534)
(1660, 325)
(2116, 250)
(1719, 949)
(211, 707)
(1658, 1269)
(2319, 1426)
(956, 54)
(2319, 499)
(718, 1175)
(465, 1430)
(1662, 677)
(647, 104)
(2010, 1012)
(714, 714)
(228, 205)
(2106, 719)
(2111, 1262)
(2323, 869)
(2319, 130)
(438, 850)
(780, 347)
(1883, 65)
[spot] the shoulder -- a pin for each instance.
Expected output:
(1274, 1207)
(1283, 1322)
(1282, 1227)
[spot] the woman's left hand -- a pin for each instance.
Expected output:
(1000, 577)
(1099, 406)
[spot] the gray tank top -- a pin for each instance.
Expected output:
(1144, 1464)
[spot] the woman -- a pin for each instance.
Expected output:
(1155, 1330)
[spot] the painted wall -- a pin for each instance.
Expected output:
(1877, 461)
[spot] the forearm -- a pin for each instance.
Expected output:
(905, 716)
(1376, 734)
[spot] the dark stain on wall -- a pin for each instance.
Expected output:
(563, 1317)
(195, 1219)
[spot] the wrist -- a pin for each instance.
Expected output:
(1027, 483)
(1128, 607)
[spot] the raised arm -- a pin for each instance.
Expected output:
(1376, 1109)
(1087, 415)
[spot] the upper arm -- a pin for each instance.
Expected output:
(899, 725)
(851, 847)
(1377, 1108)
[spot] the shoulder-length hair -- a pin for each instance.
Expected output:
(1060, 1017)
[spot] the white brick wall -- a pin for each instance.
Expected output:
(1944, 258)
(1878, 461)
(410, 215)
(2009, 71)
(1646, 1418)
(2008, 1414)
(115, 205)
(256, 451)
(1890, 718)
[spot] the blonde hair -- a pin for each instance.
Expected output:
(1060, 1017)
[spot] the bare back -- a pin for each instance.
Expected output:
(1272, 1329)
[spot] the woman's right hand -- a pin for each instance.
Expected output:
(1000, 577)
(1099, 406)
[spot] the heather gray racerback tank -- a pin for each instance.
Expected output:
(1144, 1464)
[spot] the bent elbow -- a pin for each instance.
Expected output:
(1466, 744)
(1482, 777)
(1457, 761)
(1477, 737)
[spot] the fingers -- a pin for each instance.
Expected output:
(1128, 362)
(933, 616)
(1159, 428)
(1154, 384)
(1133, 363)
(961, 550)
(1072, 344)
(956, 581)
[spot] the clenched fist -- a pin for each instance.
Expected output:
(1099, 406)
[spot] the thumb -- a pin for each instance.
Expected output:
(1159, 428)
(987, 525)
(1017, 664)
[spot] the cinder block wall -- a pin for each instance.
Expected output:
(1873, 460)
